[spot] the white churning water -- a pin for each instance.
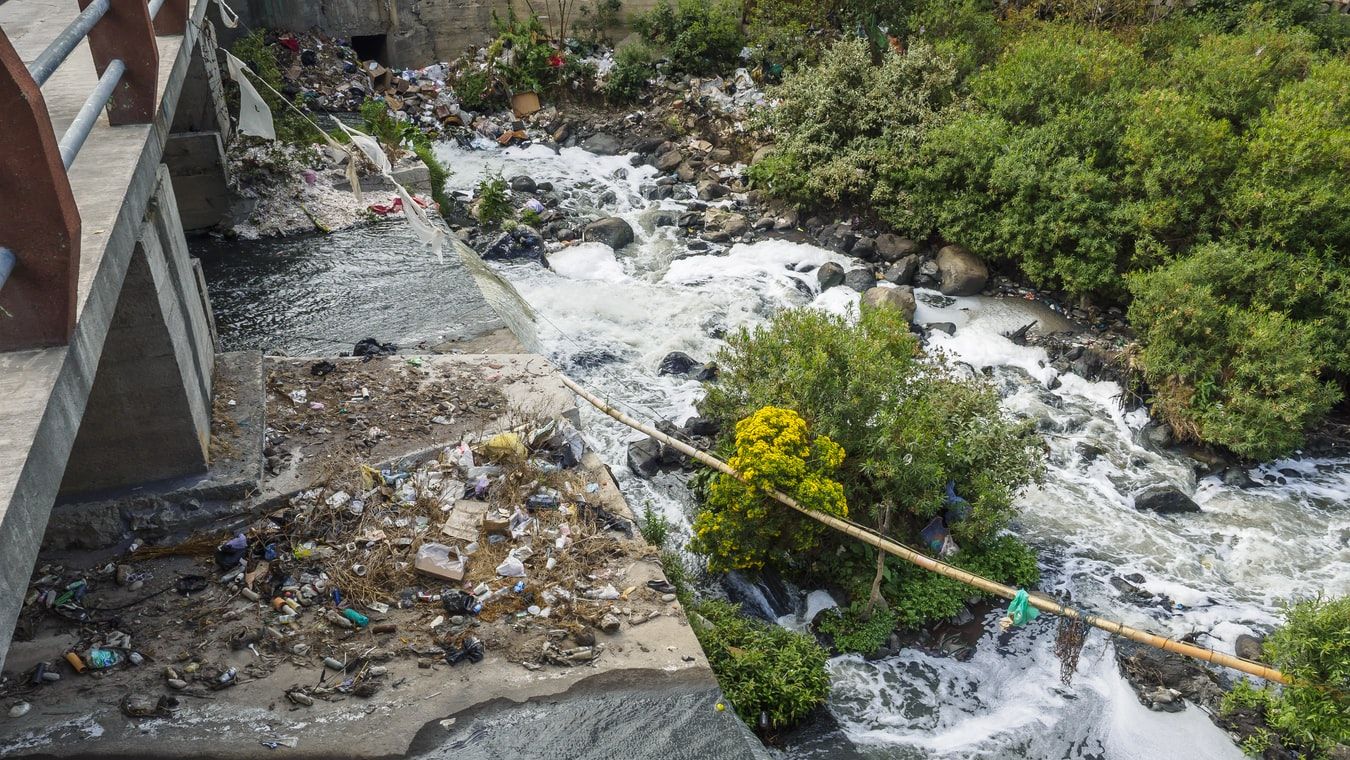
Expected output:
(608, 318)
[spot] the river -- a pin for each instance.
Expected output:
(608, 319)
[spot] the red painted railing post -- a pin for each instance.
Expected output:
(39, 221)
(126, 32)
(172, 18)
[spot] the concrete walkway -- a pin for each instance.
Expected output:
(43, 392)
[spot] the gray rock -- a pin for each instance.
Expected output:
(602, 144)
(892, 247)
(668, 162)
(1237, 477)
(1165, 500)
(720, 220)
(860, 279)
(829, 275)
(763, 223)
(902, 271)
(838, 237)
(900, 299)
(947, 327)
(644, 457)
(613, 232)
(523, 184)
(1249, 648)
(865, 248)
(720, 156)
(1158, 436)
(787, 221)
(609, 623)
(687, 172)
(962, 272)
(710, 191)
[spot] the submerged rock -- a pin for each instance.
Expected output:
(613, 232)
(1165, 500)
(829, 275)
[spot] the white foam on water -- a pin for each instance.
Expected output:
(617, 314)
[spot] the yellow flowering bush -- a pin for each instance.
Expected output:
(742, 528)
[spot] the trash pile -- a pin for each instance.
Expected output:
(504, 546)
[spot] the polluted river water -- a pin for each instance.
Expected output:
(608, 318)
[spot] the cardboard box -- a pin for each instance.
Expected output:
(525, 103)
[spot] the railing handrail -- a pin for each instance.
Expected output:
(60, 48)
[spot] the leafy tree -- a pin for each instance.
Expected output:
(908, 424)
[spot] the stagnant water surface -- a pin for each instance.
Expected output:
(608, 318)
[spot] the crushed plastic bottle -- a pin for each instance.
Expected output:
(102, 659)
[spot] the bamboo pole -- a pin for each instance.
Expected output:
(926, 562)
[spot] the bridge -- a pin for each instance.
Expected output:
(113, 121)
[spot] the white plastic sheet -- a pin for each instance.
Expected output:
(429, 233)
(255, 118)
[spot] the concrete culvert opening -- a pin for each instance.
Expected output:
(370, 47)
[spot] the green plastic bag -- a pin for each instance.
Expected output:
(1020, 610)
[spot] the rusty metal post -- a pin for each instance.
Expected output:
(125, 32)
(172, 18)
(39, 221)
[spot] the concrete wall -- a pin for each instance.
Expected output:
(419, 32)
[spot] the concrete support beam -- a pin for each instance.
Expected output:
(197, 162)
(201, 105)
(149, 412)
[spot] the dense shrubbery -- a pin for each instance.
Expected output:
(1118, 162)
(908, 427)
(1313, 649)
(632, 70)
(699, 36)
(763, 669)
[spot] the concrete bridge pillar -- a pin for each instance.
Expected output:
(195, 151)
(148, 417)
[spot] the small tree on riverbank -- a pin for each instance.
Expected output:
(909, 426)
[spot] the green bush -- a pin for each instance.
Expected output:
(261, 58)
(763, 669)
(1226, 367)
(655, 527)
(699, 36)
(846, 129)
(493, 204)
(632, 70)
(476, 92)
(1312, 649)
(521, 54)
(856, 629)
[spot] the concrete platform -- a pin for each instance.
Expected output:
(43, 392)
(156, 510)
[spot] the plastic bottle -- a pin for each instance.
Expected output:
(361, 620)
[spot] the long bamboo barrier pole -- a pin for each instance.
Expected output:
(882, 543)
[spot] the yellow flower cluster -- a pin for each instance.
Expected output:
(739, 527)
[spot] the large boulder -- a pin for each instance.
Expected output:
(901, 299)
(892, 247)
(962, 273)
(902, 271)
(829, 275)
(1165, 500)
(644, 457)
(602, 144)
(860, 279)
(1249, 647)
(710, 190)
(613, 232)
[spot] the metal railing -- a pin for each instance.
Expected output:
(121, 38)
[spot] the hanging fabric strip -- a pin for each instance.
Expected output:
(429, 233)
(368, 146)
(227, 15)
(255, 118)
(353, 178)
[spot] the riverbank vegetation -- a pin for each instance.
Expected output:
(1190, 167)
(1312, 714)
